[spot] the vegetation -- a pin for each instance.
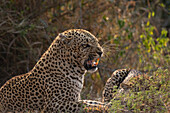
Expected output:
(134, 33)
(145, 94)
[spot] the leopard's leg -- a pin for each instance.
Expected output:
(91, 106)
(121, 76)
(82, 106)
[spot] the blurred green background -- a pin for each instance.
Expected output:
(134, 34)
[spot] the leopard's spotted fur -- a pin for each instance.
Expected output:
(55, 82)
(118, 79)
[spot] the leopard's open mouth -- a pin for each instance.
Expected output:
(91, 64)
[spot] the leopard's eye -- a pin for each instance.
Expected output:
(85, 45)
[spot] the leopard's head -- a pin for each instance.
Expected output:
(82, 47)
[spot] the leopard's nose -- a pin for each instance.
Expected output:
(100, 53)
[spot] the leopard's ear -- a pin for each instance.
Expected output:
(65, 39)
(62, 36)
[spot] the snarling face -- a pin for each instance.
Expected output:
(83, 47)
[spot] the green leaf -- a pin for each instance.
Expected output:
(121, 23)
(109, 37)
(153, 14)
(164, 33)
(116, 41)
(148, 23)
(130, 35)
(142, 36)
(162, 5)
(149, 15)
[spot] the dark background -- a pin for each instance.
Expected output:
(134, 34)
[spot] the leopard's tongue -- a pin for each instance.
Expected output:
(93, 62)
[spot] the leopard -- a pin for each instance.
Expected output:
(54, 84)
(118, 82)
